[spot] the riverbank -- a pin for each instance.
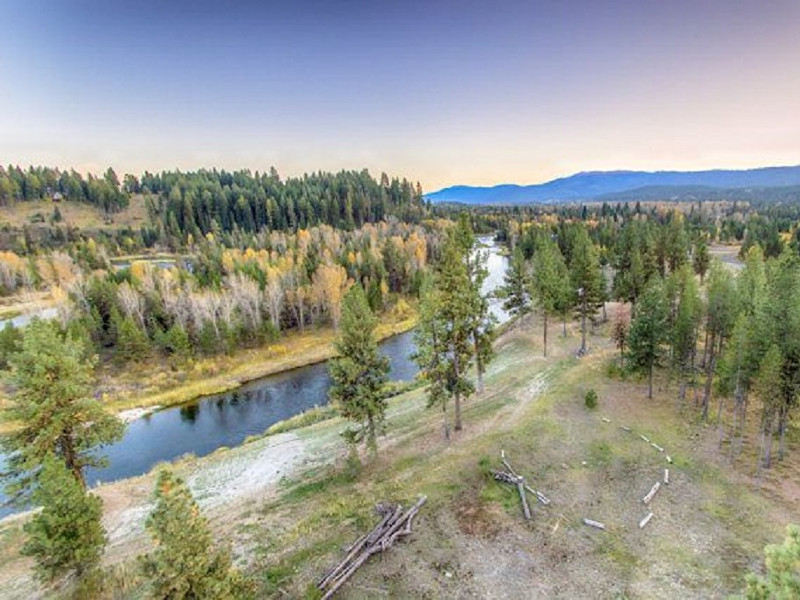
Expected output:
(287, 506)
(139, 388)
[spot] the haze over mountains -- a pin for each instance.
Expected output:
(629, 185)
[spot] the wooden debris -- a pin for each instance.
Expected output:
(646, 439)
(645, 521)
(666, 476)
(595, 524)
(539, 496)
(525, 508)
(628, 429)
(656, 446)
(652, 492)
(669, 459)
(394, 524)
(606, 420)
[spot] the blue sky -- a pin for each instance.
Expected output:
(441, 92)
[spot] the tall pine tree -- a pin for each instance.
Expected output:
(359, 372)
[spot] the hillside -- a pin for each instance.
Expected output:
(613, 185)
(289, 508)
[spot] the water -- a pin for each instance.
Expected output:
(227, 419)
(25, 319)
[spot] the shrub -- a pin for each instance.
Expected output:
(590, 399)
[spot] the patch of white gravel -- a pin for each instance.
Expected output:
(245, 471)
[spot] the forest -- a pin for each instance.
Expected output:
(631, 296)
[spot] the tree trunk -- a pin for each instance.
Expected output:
(457, 394)
(583, 325)
(782, 422)
(650, 386)
(768, 441)
(446, 422)
(545, 333)
(705, 351)
(71, 458)
(605, 314)
(709, 375)
(478, 364)
(564, 324)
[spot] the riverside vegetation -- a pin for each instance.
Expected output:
(698, 333)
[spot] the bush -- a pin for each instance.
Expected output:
(590, 399)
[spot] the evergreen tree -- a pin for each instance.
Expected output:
(444, 338)
(586, 278)
(683, 333)
(720, 314)
(648, 332)
(701, 258)
(54, 406)
(185, 564)
(547, 281)
(516, 285)
(132, 342)
(66, 535)
(782, 580)
(359, 372)
(768, 386)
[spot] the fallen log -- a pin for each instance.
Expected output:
(645, 521)
(525, 508)
(595, 524)
(646, 439)
(606, 420)
(656, 446)
(666, 476)
(669, 459)
(628, 429)
(539, 496)
(652, 492)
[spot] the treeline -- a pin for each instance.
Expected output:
(184, 207)
(202, 202)
(37, 183)
(220, 298)
(733, 338)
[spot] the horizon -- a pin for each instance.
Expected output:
(446, 94)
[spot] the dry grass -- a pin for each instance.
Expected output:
(710, 523)
(76, 214)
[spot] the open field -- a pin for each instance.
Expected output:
(76, 214)
(288, 506)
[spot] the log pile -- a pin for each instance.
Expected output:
(394, 524)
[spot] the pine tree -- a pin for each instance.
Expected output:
(132, 342)
(516, 286)
(648, 332)
(586, 278)
(359, 372)
(547, 282)
(185, 564)
(444, 337)
(54, 407)
(782, 580)
(720, 314)
(768, 386)
(66, 535)
(683, 333)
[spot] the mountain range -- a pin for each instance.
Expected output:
(625, 185)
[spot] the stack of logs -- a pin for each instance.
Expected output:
(511, 477)
(394, 524)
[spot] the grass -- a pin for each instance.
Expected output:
(76, 214)
(709, 527)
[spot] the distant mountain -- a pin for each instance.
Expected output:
(606, 184)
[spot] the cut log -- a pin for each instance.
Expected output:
(628, 429)
(666, 476)
(606, 420)
(539, 496)
(525, 508)
(595, 524)
(669, 459)
(656, 446)
(645, 521)
(652, 492)
(646, 439)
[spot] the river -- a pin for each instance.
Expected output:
(206, 424)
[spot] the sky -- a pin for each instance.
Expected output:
(441, 92)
